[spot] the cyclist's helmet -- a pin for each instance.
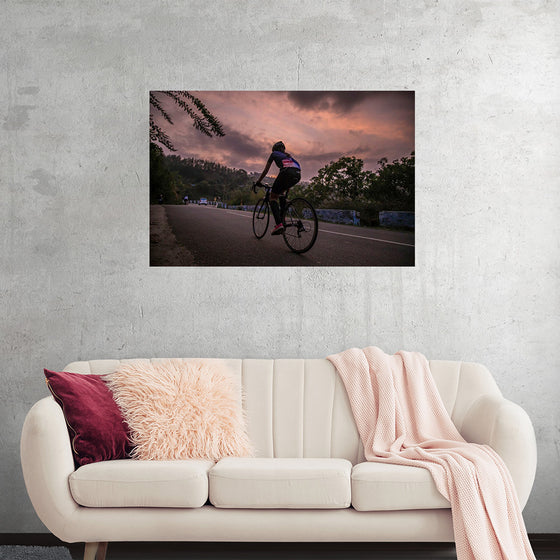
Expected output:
(279, 147)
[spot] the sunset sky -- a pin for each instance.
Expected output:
(316, 126)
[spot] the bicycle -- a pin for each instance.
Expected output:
(300, 220)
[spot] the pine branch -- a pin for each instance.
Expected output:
(155, 103)
(198, 122)
(203, 119)
(158, 135)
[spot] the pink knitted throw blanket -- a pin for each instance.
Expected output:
(401, 420)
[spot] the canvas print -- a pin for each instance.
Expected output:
(282, 178)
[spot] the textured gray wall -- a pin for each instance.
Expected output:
(75, 281)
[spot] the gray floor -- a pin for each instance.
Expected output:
(24, 552)
(546, 550)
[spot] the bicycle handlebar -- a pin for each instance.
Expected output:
(258, 184)
(269, 189)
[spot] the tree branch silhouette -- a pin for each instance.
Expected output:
(203, 119)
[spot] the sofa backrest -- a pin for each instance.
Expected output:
(299, 407)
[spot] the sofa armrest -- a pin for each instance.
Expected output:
(506, 427)
(47, 461)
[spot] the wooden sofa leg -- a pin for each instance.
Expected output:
(101, 551)
(90, 551)
(95, 551)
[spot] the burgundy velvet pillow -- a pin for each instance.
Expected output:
(97, 429)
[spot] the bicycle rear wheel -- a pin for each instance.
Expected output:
(301, 225)
(261, 217)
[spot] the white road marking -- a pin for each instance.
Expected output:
(242, 215)
(345, 234)
(369, 238)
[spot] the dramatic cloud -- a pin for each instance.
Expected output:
(239, 146)
(316, 126)
(338, 101)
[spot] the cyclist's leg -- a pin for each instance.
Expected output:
(286, 179)
(283, 198)
(275, 208)
(293, 179)
(277, 189)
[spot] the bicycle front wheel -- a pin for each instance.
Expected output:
(301, 225)
(261, 217)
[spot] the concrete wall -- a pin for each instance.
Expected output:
(396, 219)
(75, 281)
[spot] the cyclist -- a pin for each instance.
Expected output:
(288, 176)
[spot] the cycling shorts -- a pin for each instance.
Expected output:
(287, 178)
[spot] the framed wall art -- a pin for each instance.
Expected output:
(282, 178)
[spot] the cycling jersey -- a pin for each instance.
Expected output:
(283, 161)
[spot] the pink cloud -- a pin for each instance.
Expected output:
(315, 126)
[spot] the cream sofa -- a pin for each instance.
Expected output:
(308, 481)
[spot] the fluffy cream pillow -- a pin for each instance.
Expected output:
(181, 409)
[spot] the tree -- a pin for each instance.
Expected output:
(392, 186)
(165, 186)
(166, 183)
(343, 179)
(203, 119)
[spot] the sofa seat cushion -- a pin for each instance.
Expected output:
(280, 483)
(135, 483)
(382, 486)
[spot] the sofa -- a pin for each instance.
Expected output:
(308, 480)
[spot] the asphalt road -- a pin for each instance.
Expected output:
(221, 237)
